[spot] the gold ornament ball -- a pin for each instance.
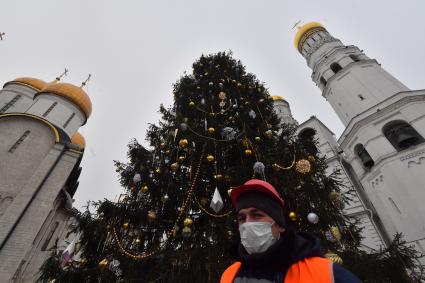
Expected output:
(336, 233)
(145, 189)
(103, 263)
(137, 241)
(334, 257)
(292, 216)
(182, 158)
(188, 222)
(186, 232)
(151, 216)
(248, 152)
(229, 234)
(183, 143)
(218, 177)
(174, 167)
(335, 196)
(211, 130)
(125, 225)
(83, 261)
(257, 139)
(210, 158)
(303, 166)
(191, 104)
(311, 158)
(162, 145)
(157, 170)
(167, 152)
(229, 192)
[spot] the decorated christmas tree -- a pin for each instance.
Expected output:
(174, 221)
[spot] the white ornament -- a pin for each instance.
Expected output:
(183, 126)
(137, 178)
(313, 218)
(228, 133)
(203, 101)
(259, 169)
(217, 201)
(252, 114)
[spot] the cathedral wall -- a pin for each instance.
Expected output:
(12, 254)
(13, 101)
(18, 159)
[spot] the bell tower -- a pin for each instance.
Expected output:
(383, 142)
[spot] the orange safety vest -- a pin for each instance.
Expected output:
(308, 270)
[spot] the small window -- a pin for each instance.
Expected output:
(323, 81)
(401, 135)
(364, 156)
(50, 109)
(49, 236)
(335, 67)
(10, 103)
(355, 58)
(68, 120)
(19, 141)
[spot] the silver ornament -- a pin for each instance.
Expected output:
(183, 127)
(216, 202)
(210, 83)
(252, 114)
(259, 169)
(313, 218)
(228, 133)
(137, 178)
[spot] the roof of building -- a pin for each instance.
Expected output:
(79, 140)
(30, 82)
(72, 93)
(302, 30)
(277, 98)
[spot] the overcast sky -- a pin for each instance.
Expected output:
(136, 50)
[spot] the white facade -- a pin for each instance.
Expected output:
(383, 145)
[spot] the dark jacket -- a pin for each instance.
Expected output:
(272, 265)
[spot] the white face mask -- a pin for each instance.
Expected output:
(256, 237)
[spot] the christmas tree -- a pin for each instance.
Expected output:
(174, 222)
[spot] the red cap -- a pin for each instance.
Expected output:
(258, 186)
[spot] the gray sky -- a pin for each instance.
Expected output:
(136, 50)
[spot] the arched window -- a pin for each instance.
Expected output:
(364, 156)
(323, 81)
(355, 58)
(401, 135)
(335, 67)
(306, 137)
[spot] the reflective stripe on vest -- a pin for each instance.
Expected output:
(308, 270)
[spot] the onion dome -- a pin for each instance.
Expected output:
(277, 98)
(29, 82)
(304, 32)
(72, 93)
(79, 140)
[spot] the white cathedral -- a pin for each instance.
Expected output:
(40, 155)
(381, 152)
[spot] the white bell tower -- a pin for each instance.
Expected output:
(385, 128)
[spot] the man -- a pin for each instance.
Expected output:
(269, 251)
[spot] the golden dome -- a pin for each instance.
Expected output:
(31, 82)
(302, 30)
(79, 140)
(72, 93)
(277, 98)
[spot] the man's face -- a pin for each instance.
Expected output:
(252, 214)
